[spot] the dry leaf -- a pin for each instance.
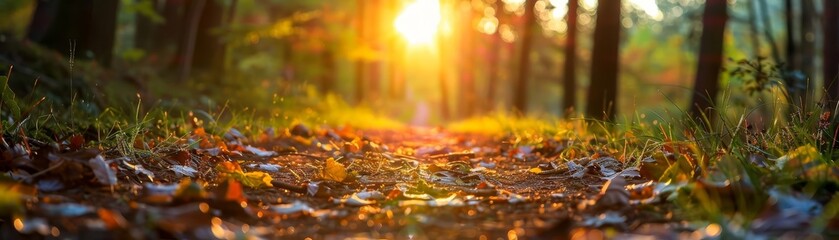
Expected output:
(104, 174)
(255, 179)
(333, 170)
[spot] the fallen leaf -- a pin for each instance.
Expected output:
(67, 209)
(254, 179)
(613, 195)
(270, 167)
(609, 218)
(139, 169)
(189, 191)
(231, 190)
(260, 152)
(112, 219)
(295, 207)
(182, 170)
(801, 157)
(333, 170)
(354, 200)
(103, 172)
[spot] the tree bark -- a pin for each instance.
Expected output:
(397, 54)
(360, 63)
(831, 51)
(186, 46)
(375, 65)
(808, 37)
(85, 28)
(520, 94)
(792, 62)
(171, 30)
(604, 78)
(767, 30)
(209, 48)
(569, 79)
(468, 103)
(443, 68)
(144, 30)
(328, 76)
(494, 58)
(706, 85)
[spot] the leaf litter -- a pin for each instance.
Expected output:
(342, 183)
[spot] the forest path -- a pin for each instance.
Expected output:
(417, 183)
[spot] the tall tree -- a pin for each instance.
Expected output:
(186, 43)
(791, 62)
(443, 66)
(360, 62)
(602, 94)
(375, 39)
(808, 41)
(569, 75)
(767, 30)
(520, 94)
(210, 48)
(468, 99)
(706, 85)
(145, 26)
(397, 55)
(494, 50)
(831, 50)
(87, 28)
(171, 29)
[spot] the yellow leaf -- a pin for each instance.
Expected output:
(802, 158)
(334, 171)
(536, 170)
(254, 179)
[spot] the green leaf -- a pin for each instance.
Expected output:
(253, 179)
(7, 96)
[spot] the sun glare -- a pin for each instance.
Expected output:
(419, 21)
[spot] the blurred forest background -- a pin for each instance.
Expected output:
(425, 61)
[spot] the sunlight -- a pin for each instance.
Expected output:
(419, 21)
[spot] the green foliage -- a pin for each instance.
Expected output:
(144, 8)
(9, 101)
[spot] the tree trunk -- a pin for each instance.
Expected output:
(468, 103)
(755, 34)
(209, 48)
(706, 86)
(604, 78)
(808, 37)
(360, 63)
(831, 51)
(443, 67)
(767, 30)
(569, 79)
(186, 46)
(171, 30)
(397, 54)
(144, 30)
(328, 76)
(520, 94)
(792, 62)
(375, 66)
(495, 48)
(85, 28)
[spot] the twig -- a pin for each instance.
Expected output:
(280, 154)
(289, 186)
(53, 167)
(453, 155)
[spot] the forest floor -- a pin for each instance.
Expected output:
(418, 183)
(296, 183)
